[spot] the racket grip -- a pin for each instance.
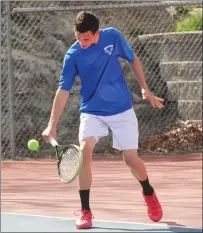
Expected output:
(53, 141)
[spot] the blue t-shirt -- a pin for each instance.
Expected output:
(103, 90)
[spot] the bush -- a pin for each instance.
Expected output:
(191, 22)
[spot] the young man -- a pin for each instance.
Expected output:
(105, 103)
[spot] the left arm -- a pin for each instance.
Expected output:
(138, 71)
(124, 51)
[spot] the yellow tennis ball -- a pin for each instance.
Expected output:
(33, 144)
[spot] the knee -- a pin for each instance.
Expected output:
(128, 160)
(130, 157)
(87, 147)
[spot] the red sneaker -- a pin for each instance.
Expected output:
(85, 220)
(154, 207)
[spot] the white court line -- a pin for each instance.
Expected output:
(134, 223)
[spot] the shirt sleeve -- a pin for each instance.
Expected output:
(68, 74)
(123, 49)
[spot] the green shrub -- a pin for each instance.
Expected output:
(190, 22)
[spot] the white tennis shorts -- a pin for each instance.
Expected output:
(124, 128)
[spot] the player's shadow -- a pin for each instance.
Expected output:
(113, 229)
(125, 229)
(171, 229)
(172, 226)
(136, 230)
(172, 223)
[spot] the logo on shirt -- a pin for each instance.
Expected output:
(109, 49)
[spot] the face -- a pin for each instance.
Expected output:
(87, 38)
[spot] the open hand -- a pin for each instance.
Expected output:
(156, 102)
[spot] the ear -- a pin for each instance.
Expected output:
(76, 35)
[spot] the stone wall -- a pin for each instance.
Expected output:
(179, 56)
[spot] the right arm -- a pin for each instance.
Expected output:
(58, 106)
(66, 82)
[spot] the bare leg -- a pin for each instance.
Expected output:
(138, 170)
(135, 164)
(85, 180)
(85, 177)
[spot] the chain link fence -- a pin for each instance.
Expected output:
(35, 37)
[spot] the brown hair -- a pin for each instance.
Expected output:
(86, 21)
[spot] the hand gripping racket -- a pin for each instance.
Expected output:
(69, 160)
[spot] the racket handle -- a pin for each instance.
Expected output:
(53, 142)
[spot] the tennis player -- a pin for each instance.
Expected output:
(105, 103)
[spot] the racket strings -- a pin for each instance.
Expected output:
(69, 164)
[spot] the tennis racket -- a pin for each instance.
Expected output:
(69, 160)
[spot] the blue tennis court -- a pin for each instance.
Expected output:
(38, 223)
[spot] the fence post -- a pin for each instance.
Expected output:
(10, 81)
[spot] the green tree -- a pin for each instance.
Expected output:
(190, 22)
